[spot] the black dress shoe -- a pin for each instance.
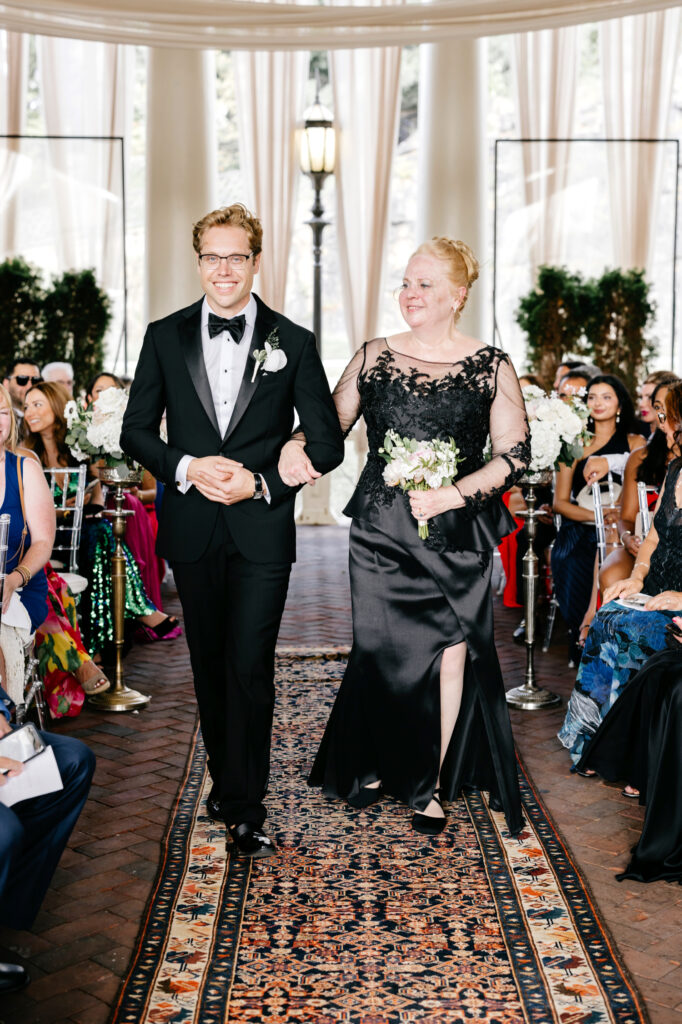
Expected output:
(365, 797)
(494, 803)
(250, 841)
(12, 978)
(213, 809)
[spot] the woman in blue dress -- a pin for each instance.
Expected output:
(630, 626)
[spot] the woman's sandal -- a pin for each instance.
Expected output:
(92, 681)
(426, 824)
(630, 792)
(167, 629)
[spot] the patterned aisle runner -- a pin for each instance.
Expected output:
(361, 920)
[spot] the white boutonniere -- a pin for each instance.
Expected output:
(270, 359)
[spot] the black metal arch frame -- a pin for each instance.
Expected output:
(516, 142)
(123, 340)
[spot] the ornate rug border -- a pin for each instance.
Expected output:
(131, 1005)
(620, 990)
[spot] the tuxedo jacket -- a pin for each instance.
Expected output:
(171, 377)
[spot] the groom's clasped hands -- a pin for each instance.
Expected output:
(221, 479)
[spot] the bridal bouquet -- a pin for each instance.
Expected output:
(558, 429)
(95, 432)
(419, 465)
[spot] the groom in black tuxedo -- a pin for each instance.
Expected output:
(229, 373)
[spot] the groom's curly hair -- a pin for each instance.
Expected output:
(236, 216)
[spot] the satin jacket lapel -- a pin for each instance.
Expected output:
(265, 322)
(194, 357)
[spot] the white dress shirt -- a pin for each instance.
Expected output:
(225, 363)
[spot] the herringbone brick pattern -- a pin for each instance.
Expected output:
(79, 949)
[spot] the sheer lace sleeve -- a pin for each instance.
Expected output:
(346, 394)
(510, 437)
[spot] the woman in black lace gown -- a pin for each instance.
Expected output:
(421, 711)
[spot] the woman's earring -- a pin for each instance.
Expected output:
(617, 417)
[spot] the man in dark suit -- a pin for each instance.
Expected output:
(229, 372)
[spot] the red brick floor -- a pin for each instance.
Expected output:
(80, 945)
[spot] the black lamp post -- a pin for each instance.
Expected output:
(317, 154)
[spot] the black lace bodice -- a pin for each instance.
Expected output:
(665, 572)
(471, 400)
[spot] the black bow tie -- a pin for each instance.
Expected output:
(236, 326)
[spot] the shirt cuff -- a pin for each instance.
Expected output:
(616, 462)
(181, 481)
(266, 490)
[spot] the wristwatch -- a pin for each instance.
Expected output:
(259, 491)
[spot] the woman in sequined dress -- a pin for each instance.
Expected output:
(45, 433)
(421, 712)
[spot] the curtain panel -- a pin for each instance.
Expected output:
(267, 25)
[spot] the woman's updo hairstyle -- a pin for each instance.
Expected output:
(461, 264)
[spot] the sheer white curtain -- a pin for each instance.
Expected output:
(13, 89)
(545, 72)
(270, 89)
(366, 91)
(638, 58)
(87, 91)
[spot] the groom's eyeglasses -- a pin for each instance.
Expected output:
(235, 259)
(22, 380)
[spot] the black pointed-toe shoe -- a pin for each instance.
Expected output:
(12, 978)
(365, 797)
(250, 841)
(427, 825)
(494, 803)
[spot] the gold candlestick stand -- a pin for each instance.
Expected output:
(119, 697)
(530, 697)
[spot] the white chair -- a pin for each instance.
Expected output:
(605, 534)
(643, 523)
(69, 509)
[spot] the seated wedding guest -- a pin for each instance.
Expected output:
(60, 373)
(46, 432)
(623, 635)
(142, 527)
(21, 375)
(640, 741)
(573, 383)
(27, 500)
(612, 421)
(34, 833)
(571, 364)
(528, 380)
(648, 465)
(58, 645)
(646, 390)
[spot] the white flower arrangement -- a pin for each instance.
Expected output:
(95, 432)
(558, 429)
(419, 465)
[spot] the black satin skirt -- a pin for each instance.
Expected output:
(409, 604)
(640, 743)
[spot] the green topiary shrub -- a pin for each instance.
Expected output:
(552, 317)
(76, 314)
(618, 311)
(21, 310)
